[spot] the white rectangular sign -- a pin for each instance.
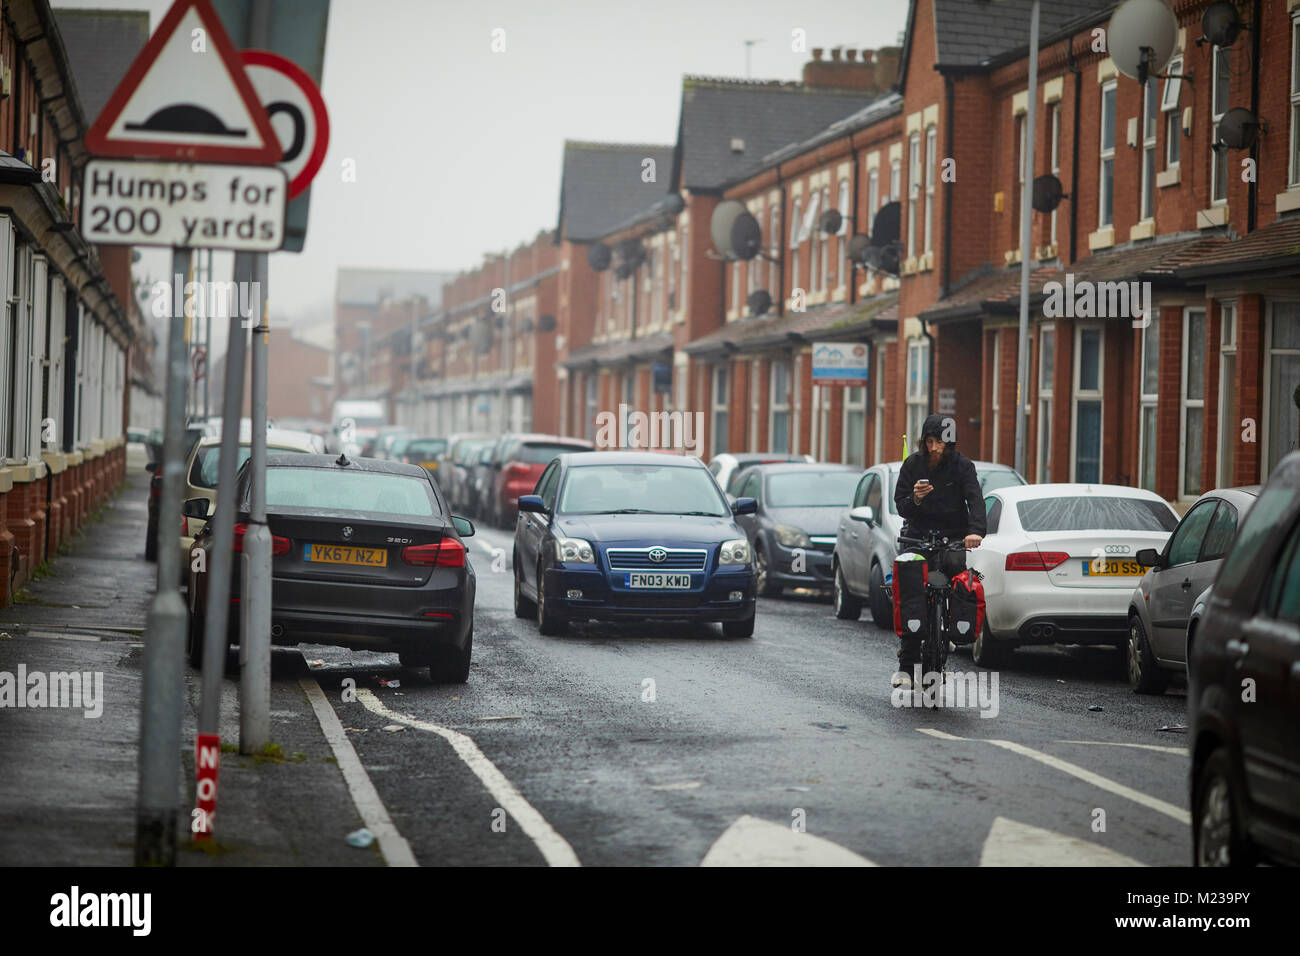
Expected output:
(839, 363)
(184, 205)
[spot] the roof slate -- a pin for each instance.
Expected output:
(101, 45)
(832, 321)
(602, 186)
(766, 115)
(971, 32)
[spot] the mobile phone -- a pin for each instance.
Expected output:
(923, 481)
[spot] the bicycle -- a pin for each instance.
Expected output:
(938, 588)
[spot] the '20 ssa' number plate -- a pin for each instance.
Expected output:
(656, 579)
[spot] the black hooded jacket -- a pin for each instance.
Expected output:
(955, 507)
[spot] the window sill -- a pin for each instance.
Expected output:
(1103, 238)
(1214, 216)
(1047, 252)
(1011, 256)
(1289, 200)
(1169, 177)
(908, 267)
(927, 262)
(1145, 229)
(6, 480)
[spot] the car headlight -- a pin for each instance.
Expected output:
(734, 552)
(574, 549)
(791, 537)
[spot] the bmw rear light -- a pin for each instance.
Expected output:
(279, 545)
(1035, 560)
(447, 553)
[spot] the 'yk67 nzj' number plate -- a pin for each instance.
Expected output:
(656, 579)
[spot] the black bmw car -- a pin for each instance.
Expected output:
(631, 536)
(366, 555)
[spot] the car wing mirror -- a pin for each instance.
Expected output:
(863, 513)
(744, 506)
(195, 508)
(533, 503)
(464, 527)
(1148, 558)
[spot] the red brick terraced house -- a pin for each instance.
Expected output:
(69, 324)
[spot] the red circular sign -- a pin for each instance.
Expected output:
(284, 87)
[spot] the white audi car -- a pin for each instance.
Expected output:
(1060, 563)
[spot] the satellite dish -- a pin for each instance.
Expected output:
(631, 252)
(830, 221)
(546, 323)
(526, 326)
(724, 217)
(883, 258)
(858, 244)
(1238, 129)
(1048, 193)
(885, 228)
(1221, 23)
(674, 204)
(1141, 38)
(746, 236)
(623, 270)
(759, 301)
(598, 256)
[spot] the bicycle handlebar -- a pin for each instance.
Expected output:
(935, 542)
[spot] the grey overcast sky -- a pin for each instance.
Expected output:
(457, 148)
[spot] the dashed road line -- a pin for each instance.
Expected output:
(1181, 751)
(396, 851)
(1074, 770)
(553, 847)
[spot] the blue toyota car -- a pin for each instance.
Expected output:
(632, 536)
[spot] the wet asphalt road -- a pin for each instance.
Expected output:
(644, 746)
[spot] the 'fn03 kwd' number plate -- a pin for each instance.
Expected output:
(656, 579)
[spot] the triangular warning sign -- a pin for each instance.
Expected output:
(186, 97)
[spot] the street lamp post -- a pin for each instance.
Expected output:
(1026, 216)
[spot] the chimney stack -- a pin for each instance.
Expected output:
(875, 72)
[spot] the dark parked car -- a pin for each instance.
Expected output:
(793, 530)
(631, 536)
(456, 466)
(425, 452)
(366, 555)
(521, 460)
(729, 467)
(1243, 695)
(1163, 600)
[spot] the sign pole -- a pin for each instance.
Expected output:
(164, 668)
(1026, 214)
(255, 642)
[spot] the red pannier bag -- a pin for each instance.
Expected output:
(910, 578)
(966, 607)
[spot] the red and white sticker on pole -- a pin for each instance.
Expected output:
(207, 765)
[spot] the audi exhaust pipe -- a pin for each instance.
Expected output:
(277, 630)
(1049, 631)
(1036, 630)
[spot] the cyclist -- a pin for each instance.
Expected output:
(937, 490)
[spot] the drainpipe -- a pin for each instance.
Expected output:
(780, 247)
(853, 209)
(947, 192)
(1252, 200)
(1074, 153)
(929, 336)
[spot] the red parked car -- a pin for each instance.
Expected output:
(523, 460)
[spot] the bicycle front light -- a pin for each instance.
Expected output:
(791, 537)
(734, 552)
(574, 549)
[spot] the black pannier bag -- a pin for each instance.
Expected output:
(966, 607)
(911, 572)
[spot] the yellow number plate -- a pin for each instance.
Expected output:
(1101, 569)
(346, 554)
(431, 465)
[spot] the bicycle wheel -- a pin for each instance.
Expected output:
(930, 661)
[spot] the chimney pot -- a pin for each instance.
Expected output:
(852, 54)
(868, 56)
(817, 52)
(835, 53)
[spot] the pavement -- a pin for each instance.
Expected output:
(68, 790)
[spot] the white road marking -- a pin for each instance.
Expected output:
(1074, 770)
(1181, 751)
(489, 548)
(63, 637)
(1018, 844)
(396, 851)
(754, 842)
(553, 847)
(684, 785)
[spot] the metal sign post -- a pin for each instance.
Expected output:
(164, 649)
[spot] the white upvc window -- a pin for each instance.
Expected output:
(918, 387)
(845, 212)
(8, 320)
(1173, 115)
(878, 439)
(824, 244)
(855, 425)
(1293, 179)
(1150, 121)
(1046, 390)
(913, 190)
(1281, 372)
(1018, 191)
(1229, 422)
(778, 418)
(795, 224)
(591, 385)
(873, 200)
(774, 264)
(721, 402)
(737, 303)
(1106, 192)
(1148, 424)
(931, 144)
(754, 385)
(1086, 414)
(1219, 92)
(895, 180)
(1192, 404)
